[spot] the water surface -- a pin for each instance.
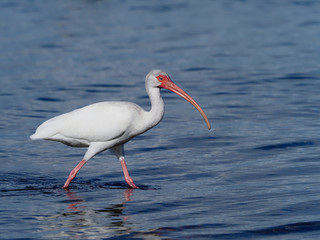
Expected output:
(252, 65)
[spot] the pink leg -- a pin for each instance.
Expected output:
(73, 173)
(126, 174)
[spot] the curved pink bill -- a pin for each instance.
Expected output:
(168, 84)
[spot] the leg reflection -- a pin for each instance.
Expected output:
(75, 201)
(86, 218)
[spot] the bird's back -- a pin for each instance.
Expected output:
(99, 122)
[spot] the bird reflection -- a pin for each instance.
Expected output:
(84, 221)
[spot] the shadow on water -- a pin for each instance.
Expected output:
(20, 182)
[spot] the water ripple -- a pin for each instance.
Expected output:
(286, 145)
(300, 227)
(48, 99)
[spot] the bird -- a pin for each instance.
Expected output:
(110, 124)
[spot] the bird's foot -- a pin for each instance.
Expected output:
(131, 183)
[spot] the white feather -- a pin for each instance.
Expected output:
(99, 122)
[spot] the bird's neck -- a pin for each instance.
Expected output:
(155, 115)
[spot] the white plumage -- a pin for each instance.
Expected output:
(105, 125)
(99, 122)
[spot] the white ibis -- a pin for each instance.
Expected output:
(109, 125)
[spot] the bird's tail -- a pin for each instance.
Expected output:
(34, 137)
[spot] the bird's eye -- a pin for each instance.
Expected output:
(160, 78)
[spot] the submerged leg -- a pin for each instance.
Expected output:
(73, 173)
(118, 151)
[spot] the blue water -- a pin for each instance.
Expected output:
(254, 67)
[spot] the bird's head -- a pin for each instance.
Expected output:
(156, 78)
(160, 79)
